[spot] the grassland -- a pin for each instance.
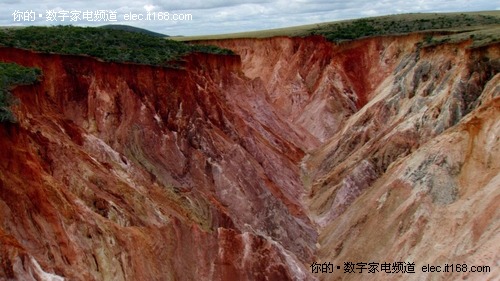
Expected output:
(482, 27)
(106, 44)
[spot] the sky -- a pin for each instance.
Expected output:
(196, 17)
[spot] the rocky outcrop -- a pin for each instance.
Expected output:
(393, 179)
(412, 177)
(251, 167)
(121, 171)
(315, 84)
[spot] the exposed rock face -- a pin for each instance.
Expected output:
(141, 173)
(229, 168)
(408, 174)
(414, 175)
(315, 84)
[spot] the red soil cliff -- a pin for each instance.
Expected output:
(121, 171)
(231, 166)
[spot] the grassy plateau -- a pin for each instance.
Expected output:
(482, 27)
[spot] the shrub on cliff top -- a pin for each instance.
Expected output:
(107, 44)
(349, 30)
(12, 74)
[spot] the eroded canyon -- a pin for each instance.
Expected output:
(254, 166)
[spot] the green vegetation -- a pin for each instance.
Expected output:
(482, 27)
(13, 74)
(132, 29)
(106, 44)
(399, 25)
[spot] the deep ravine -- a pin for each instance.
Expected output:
(253, 166)
(406, 171)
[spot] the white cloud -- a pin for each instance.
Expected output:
(149, 8)
(221, 16)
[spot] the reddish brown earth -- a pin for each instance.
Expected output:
(251, 167)
(143, 173)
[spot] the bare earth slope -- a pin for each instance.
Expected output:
(252, 167)
(408, 170)
(128, 172)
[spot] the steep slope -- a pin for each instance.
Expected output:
(130, 172)
(314, 83)
(251, 167)
(414, 175)
(389, 174)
